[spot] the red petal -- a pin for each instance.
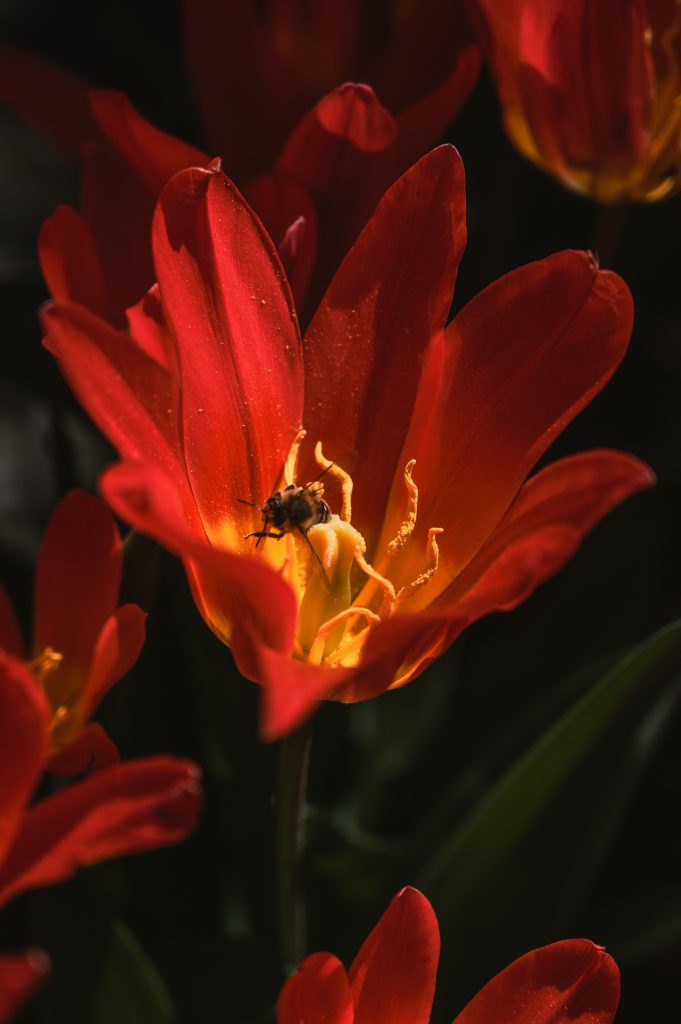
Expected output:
(90, 751)
(282, 204)
(141, 805)
(117, 649)
(20, 974)
(365, 346)
(69, 260)
(228, 305)
(344, 153)
(544, 526)
(515, 367)
(11, 639)
(393, 975)
(155, 156)
(78, 579)
(24, 734)
(318, 991)
(148, 329)
(226, 586)
(569, 982)
(131, 398)
(51, 99)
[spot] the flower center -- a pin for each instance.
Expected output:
(342, 596)
(61, 690)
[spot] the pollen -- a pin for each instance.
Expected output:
(45, 663)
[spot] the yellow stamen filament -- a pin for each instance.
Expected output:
(407, 528)
(291, 464)
(350, 613)
(343, 478)
(426, 576)
(374, 576)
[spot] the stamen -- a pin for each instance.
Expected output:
(291, 464)
(45, 663)
(385, 584)
(348, 613)
(344, 479)
(407, 528)
(426, 576)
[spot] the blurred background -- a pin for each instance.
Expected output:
(529, 783)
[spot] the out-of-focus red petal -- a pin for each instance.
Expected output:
(513, 369)
(155, 156)
(78, 579)
(11, 639)
(69, 260)
(344, 153)
(226, 586)
(91, 750)
(393, 975)
(230, 310)
(20, 974)
(51, 99)
(231, 56)
(132, 807)
(366, 343)
(24, 734)
(117, 649)
(547, 522)
(131, 398)
(569, 982)
(318, 991)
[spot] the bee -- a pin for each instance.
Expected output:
(295, 509)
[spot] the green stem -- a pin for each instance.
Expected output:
(290, 803)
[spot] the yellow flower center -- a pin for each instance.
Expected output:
(341, 595)
(61, 690)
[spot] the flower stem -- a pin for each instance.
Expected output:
(294, 760)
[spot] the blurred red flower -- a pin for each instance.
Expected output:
(591, 89)
(205, 396)
(392, 980)
(20, 974)
(314, 165)
(82, 642)
(127, 808)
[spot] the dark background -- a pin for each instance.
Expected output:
(392, 780)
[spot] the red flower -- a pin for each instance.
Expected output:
(20, 974)
(591, 91)
(205, 397)
(327, 163)
(278, 58)
(82, 642)
(140, 805)
(392, 980)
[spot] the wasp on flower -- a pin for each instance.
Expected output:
(212, 392)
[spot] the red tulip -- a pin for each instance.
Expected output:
(259, 67)
(20, 974)
(82, 642)
(127, 808)
(392, 980)
(205, 397)
(591, 89)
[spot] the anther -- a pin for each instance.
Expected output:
(343, 478)
(407, 528)
(426, 576)
(291, 464)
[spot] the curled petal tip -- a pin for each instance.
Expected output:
(215, 165)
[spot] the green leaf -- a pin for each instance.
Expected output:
(129, 987)
(513, 873)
